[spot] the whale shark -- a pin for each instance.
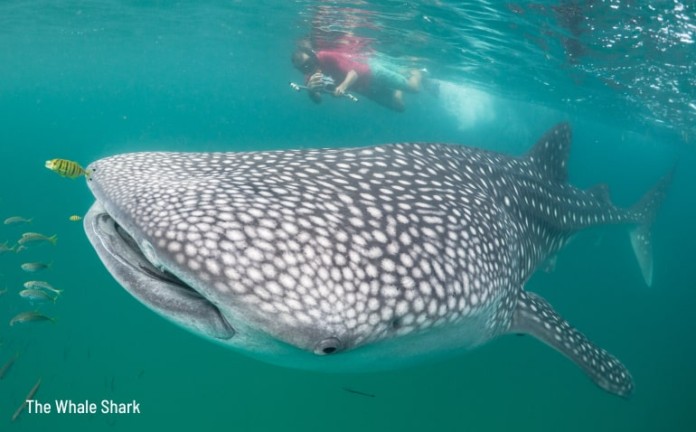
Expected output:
(356, 259)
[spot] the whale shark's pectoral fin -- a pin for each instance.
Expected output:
(536, 317)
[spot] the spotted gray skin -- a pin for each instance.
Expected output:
(379, 256)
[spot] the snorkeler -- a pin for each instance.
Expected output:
(361, 72)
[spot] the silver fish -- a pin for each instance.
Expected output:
(36, 284)
(30, 316)
(30, 237)
(32, 267)
(8, 365)
(356, 259)
(5, 247)
(17, 220)
(30, 396)
(37, 296)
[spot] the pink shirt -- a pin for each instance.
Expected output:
(337, 64)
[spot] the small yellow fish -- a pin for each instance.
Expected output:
(17, 220)
(66, 168)
(75, 218)
(36, 237)
(34, 266)
(30, 316)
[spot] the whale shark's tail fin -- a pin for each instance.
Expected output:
(645, 211)
(535, 316)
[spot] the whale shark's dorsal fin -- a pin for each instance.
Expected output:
(550, 153)
(535, 316)
(601, 193)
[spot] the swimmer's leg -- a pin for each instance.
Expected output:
(415, 80)
(392, 99)
(385, 75)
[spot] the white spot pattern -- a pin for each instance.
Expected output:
(356, 244)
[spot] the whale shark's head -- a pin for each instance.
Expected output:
(195, 294)
(259, 253)
(211, 258)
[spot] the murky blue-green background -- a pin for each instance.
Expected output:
(87, 79)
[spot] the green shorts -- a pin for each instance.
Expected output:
(387, 75)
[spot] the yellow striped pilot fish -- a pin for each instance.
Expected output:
(66, 168)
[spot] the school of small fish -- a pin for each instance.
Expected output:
(28, 247)
(36, 294)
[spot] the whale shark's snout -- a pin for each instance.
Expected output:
(184, 263)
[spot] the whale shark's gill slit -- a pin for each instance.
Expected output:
(148, 268)
(169, 278)
(174, 283)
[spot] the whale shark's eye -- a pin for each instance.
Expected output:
(328, 346)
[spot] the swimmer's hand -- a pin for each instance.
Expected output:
(314, 86)
(342, 88)
(316, 82)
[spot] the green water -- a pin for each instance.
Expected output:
(90, 79)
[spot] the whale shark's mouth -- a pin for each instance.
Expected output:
(156, 287)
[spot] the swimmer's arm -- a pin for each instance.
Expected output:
(351, 77)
